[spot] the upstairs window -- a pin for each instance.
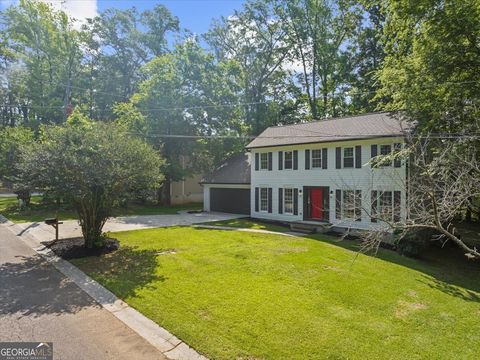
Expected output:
(288, 160)
(264, 161)
(316, 158)
(386, 150)
(348, 157)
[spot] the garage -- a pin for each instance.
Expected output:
(230, 200)
(227, 188)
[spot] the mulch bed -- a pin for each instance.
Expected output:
(74, 248)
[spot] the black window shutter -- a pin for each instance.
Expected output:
(373, 215)
(373, 153)
(280, 200)
(396, 206)
(269, 200)
(295, 159)
(397, 162)
(295, 201)
(358, 205)
(307, 159)
(324, 158)
(358, 156)
(256, 199)
(270, 159)
(280, 160)
(257, 155)
(338, 204)
(338, 158)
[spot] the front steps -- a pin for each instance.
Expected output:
(310, 227)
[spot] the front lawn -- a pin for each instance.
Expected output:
(39, 211)
(249, 224)
(237, 295)
(36, 212)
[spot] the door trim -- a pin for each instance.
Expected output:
(306, 203)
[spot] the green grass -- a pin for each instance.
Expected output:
(39, 211)
(249, 224)
(237, 295)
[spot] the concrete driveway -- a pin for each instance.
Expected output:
(38, 303)
(71, 228)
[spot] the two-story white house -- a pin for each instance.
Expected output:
(321, 172)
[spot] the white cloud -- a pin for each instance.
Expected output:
(79, 10)
(76, 9)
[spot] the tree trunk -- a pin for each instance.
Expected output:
(92, 217)
(163, 194)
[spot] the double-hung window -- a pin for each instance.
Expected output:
(348, 205)
(348, 157)
(316, 159)
(288, 200)
(386, 150)
(264, 161)
(386, 205)
(288, 160)
(264, 199)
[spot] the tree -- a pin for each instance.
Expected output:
(87, 164)
(319, 33)
(431, 66)
(13, 140)
(255, 38)
(178, 100)
(443, 176)
(45, 53)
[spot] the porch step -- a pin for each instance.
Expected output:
(309, 227)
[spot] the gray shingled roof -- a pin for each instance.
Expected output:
(234, 170)
(353, 127)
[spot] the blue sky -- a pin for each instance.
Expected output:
(195, 15)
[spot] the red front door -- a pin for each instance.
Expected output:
(316, 203)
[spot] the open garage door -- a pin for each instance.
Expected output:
(235, 201)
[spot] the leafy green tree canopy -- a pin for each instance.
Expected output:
(92, 165)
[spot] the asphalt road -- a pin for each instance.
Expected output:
(38, 303)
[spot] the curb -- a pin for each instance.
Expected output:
(168, 344)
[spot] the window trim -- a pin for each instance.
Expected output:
(356, 199)
(353, 157)
(261, 161)
(260, 209)
(318, 158)
(285, 160)
(394, 212)
(389, 163)
(285, 211)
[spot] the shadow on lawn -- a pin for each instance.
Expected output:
(32, 287)
(446, 270)
(125, 270)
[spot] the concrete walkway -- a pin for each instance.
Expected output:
(38, 303)
(71, 228)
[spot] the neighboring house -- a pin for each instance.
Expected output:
(320, 172)
(186, 191)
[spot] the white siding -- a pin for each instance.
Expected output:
(365, 179)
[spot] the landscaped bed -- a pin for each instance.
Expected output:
(238, 295)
